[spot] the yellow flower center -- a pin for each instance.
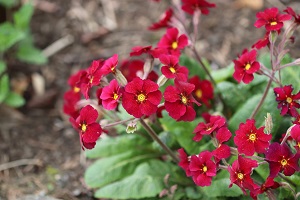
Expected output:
(115, 96)
(247, 67)
(252, 137)
(91, 79)
(83, 127)
(283, 162)
(240, 176)
(289, 100)
(273, 23)
(184, 100)
(172, 69)
(198, 93)
(204, 169)
(298, 144)
(208, 129)
(174, 45)
(141, 97)
(76, 89)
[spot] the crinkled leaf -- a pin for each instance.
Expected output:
(291, 76)
(28, 53)
(193, 66)
(107, 170)
(223, 74)
(9, 35)
(146, 181)
(23, 16)
(14, 100)
(219, 188)
(4, 87)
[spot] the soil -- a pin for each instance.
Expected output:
(38, 136)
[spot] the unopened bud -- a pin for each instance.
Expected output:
(161, 80)
(131, 127)
(273, 36)
(147, 67)
(120, 78)
(268, 123)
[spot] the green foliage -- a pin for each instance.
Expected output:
(9, 36)
(8, 3)
(14, 100)
(193, 66)
(4, 87)
(23, 16)
(2, 67)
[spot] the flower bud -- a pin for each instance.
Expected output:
(131, 127)
(268, 123)
(120, 78)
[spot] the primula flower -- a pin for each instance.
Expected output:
(295, 134)
(204, 90)
(222, 150)
(297, 119)
(179, 101)
(271, 19)
(286, 100)
(202, 168)
(164, 21)
(139, 50)
(265, 187)
(240, 172)
(141, 97)
(110, 95)
(245, 66)
(249, 139)
(110, 65)
(70, 102)
(190, 6)
(280, 158)
(291, 12)
(91, 77)
(172, 42)
(172, 69)
(89, 129)
(202, 128)
(184, 162)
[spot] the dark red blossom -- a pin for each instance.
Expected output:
(280, 158)
(222, 150)
(89, 129)
(291, 12)
(184, 162)
(190, 6)
(141, 97)
(172, 69)
(249, 139)
(179, 101)
(202, 128)
(240, 172)
(70, 103)
(295, 134)
(297, 119)
(110, 95)
(202, 168)
(164, 21)
(287, 101)
(204, 91)
(271, 19)
(265, 187)
(139, 50)
(245, 66)
(173, 42)
(110, 65)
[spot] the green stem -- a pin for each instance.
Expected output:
(157, 139)
(118, 122)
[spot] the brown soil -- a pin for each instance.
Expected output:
(40, 132)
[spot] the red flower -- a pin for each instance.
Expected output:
(286, 100)
(202, 168)
(89, 129)
(248, 139)
(280, 158)
(223, 150)
(202, 128)
(172, 69)
(139, 50)
(70, 102)
(297, 119)
(184, 162)
(240, 174)
(268, 185)
(291, 12)
(246, 66)
(164, 21)
(295, 133)
(110, 65)
(190, 6)
(271, 19)
(179, 101)
(141, 97)
(172, 42)
(204, 90)
(110, 95)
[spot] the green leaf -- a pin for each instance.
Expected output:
(223, 74)
(9, 36)
(146, 181)
(8, 3)
(193, 66)
(109, 146)
(23, 16)
(291, 76)
(4, 87)
(28, 53)
(107, 170)
(14, 100)
(2, 67)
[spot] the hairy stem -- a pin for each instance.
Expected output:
(156, 138)
(118, 122)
